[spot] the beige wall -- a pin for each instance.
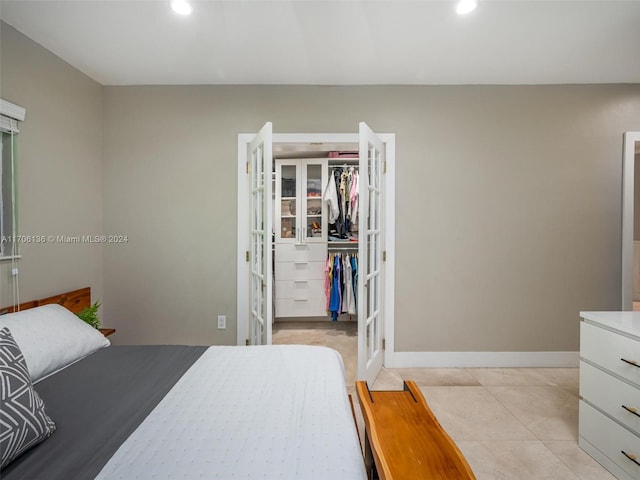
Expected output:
(507, 208)
(60, 168)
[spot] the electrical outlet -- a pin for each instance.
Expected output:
(14, 271)
(222, 321)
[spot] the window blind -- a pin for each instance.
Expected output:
(8, 124)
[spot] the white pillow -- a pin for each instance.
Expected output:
(51, 337)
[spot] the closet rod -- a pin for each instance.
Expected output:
(343, 162)
(337, 248)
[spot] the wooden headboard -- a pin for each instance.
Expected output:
(76, 301)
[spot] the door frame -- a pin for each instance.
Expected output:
(243, 240)
(628, 201)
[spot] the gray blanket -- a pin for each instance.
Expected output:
(96, 404)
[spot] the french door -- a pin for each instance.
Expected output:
(260, 166)
(370, 260)
(371, 272)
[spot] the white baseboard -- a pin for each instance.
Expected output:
(481, 359)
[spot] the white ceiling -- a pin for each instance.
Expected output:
(338, 42)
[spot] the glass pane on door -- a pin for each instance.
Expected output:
(288, 207)
(313, 201)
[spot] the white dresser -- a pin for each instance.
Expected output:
(609, 424)
(299, 287)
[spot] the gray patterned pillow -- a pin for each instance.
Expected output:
(23, 421)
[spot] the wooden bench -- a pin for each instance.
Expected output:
(404, 438)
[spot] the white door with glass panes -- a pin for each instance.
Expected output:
(259, 168)
(300, 238)
(370, 255)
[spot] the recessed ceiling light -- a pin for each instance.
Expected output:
(466, 6)
(181, 7)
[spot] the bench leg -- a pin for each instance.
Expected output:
(368, 458)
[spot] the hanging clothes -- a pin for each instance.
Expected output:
(344, 193)
(349, 299)
(341, 196)
(335, 305)
(328, 278)
(341, 280)
(330, 197)
(339, 226)
(353, 199)
(354, 275)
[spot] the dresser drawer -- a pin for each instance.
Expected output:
(610, 438)
(300, 270)
(607, 349)
(300, 289)
(306, 252)
(311, 307)
(610, 394)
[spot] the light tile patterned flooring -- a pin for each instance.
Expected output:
(510, 423)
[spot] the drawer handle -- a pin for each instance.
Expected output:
(631, 457)
(299, 299)
(633, 410)
(630, 362)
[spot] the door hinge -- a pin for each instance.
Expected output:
(247, 256)
(248, 167)
(384, 343)
(246, 342)
(384, 167)
(384, 255)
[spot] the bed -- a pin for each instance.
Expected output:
(178, 412)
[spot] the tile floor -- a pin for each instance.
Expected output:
(510, 423)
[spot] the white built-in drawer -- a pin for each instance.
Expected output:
(311, 307)
(300, 289)
(300, 270)
(610, 438)
(306, 252)
(610, 394)
(607, 349)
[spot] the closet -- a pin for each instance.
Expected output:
(315, 234)
(341, 197)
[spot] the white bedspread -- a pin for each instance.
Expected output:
(270, 412)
